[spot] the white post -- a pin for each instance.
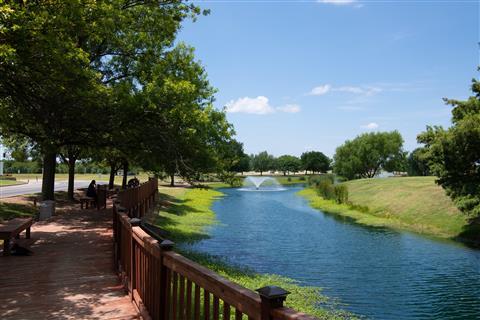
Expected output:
(1, 160)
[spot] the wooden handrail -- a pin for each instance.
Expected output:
(165, 285)
(243, 299)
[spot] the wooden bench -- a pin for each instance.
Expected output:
(87, 201)
(12, 229)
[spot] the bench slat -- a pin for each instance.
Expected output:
(11, 228)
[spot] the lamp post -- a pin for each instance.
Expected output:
(2, 155)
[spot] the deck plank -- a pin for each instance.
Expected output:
(69, 276)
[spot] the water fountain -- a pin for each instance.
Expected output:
(259, 183)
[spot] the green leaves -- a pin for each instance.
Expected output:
(315, 161)
(367, 154)
(453, 154)
(287, 163)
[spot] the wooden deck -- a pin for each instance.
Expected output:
(70, 275)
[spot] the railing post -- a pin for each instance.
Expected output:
(134, 222)
(165, 245)
(272, 297)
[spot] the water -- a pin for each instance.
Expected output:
(376, 272)
(259, 183)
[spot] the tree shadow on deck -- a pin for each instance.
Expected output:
(70, 275)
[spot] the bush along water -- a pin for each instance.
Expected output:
(326, 188)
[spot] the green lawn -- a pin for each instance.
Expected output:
(287, 180)
(4, 183)
(13, 210)
(411, 203)
(185, 213)
(79, 176)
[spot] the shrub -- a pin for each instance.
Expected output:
(325, 189)
(302, 178)
(289, 179)
(315, 181)
(8, 177)
(341, 193)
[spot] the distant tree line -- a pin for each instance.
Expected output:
(310, 161)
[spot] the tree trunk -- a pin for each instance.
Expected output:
(261, 173)
(71, 177)
(172, 180)
(113, 172)
(48, 182)
(125, 172)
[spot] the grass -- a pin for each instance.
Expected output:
(4, 183)
(293, 179)
(14, 210)
(185, 212)
(409, 203)
(184, 215)
(78, 176)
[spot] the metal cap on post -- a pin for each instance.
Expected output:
(272, 297)
(166, 245)
(135, 222)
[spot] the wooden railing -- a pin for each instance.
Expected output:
(167, 286)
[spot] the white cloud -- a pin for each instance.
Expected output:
(258, 105)
(338, 2)
(342, 2)
(320, 90)
(371, 126)
(360, 90)
(351, 108)
(367, 90)
(289, 108)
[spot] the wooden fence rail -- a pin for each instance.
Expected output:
(165, 285)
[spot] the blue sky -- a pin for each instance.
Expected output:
(308, 75)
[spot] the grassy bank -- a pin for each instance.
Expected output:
(184, 215)
(15, 210)
(410, 203)
(78, 176)
(5, 183)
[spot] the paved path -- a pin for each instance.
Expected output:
(36, 187)
(69, 276)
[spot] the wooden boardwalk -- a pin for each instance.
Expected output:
(69, 276)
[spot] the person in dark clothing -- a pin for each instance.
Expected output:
(92, 190)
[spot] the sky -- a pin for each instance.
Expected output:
(307, 75)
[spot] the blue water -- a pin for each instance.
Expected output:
(376, 272)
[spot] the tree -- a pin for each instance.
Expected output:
(453, 154)
(46, 85)
(315, 161)
(417, 165)
(242, 165)
(262, 162)
(62, 61)
(367, 154)
(287, 163)
(69, 156)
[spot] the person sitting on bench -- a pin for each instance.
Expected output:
(92, 190)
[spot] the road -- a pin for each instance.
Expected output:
(36, 187)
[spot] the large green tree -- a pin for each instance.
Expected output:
(288, 163)
(417, 164)
(62, 63)
(315, 161)
(368, 154)
(453, 154)
(262, 162)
